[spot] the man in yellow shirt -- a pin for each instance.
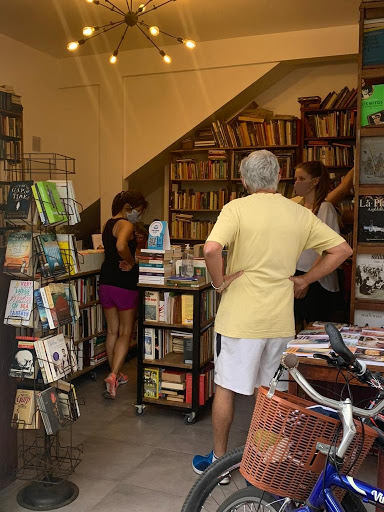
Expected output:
(265, 234)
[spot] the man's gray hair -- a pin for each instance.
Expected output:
(260, 171)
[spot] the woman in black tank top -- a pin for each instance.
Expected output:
(119, 276)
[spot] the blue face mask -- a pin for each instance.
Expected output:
(133, 216)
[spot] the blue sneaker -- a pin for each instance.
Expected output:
(201, 462)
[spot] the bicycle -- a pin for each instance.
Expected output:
(208, 495)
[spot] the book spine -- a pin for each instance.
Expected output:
(38, 204)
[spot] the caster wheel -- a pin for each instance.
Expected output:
(139, 410)
(190, 419)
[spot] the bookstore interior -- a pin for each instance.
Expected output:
(90, 302)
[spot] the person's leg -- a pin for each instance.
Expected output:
(270, 359)
(112, 319)
(127, 320)
(222, 417)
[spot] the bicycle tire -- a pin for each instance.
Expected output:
(265, 501)
(230, 462)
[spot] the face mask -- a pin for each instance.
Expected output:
(303, 187)
(133, 216)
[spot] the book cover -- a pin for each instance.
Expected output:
(369, 284)
(149, 343)
(50, 202)
(57, 356)
(372, 160)
(66, 192)
(371, 218)
(151, 382)
(18, 255)
(61, 303)
(50, 410)
(25, 414)
(23, 364)
(18, 311)
(19, 203)
(372, 104)
(188, 349)
(68, 252)
(365, 318)
(373, 46)
(151, 306)
(370, 354)
(187, 310)
(54, 262)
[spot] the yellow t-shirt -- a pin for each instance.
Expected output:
(265, 235)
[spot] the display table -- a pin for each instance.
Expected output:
(318, 372)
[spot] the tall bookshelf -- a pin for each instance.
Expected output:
(367, 306)
(210, 178)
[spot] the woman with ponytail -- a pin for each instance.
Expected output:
(119, 276)
(312, 186)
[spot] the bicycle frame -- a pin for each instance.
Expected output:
(322, 496)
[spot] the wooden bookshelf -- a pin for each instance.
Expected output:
(368, 10)
(82, 340)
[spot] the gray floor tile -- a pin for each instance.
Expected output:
(163, 470)
(133, 499)
(110, 459)
(188, 439)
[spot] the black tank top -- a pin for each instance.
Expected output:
(110, 272)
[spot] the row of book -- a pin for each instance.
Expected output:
(10, 126)
(91, 322)
(10, 101)
(176, 386)
(189, 169)
(10, 150)
(168, 307)
(286, 161)
(190, 199)
(185, 227)
(332, 154)
(278, 132)
(87, 289)
(333, 124)
(366, 343)
(344, 99)
(55, 202)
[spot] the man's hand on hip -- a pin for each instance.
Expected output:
(300, 286)
(227, 280)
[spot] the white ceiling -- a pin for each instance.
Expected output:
(48, 25)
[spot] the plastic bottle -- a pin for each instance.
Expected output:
(187, 262)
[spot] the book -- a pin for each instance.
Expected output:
(151, 306)
(25, 414)
(366, 318)
(151, 382)
(369, 284)
(19, 203)
(97, 241)
(72, 360)
(18, 255)
(175, 386)
(50, 312)
(67, 246)
(61, 301)
(173, 376)
(67, 196)
(68, 400)
(371, 218)
(188, 349)
(372, 104)
(149, 343)
(187, 309)
(50, 203)
(19, 307)
(304, 342)
(24, 360)
(372, 160)
(49, 406)
(373, 45)
(374, 355)
(57, 356)
(51, 261)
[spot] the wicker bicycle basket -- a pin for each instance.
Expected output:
(280, 454)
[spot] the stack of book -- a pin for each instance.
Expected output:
(155, 265)
(344, 99)
(57, 304)
(173, 386)
(205, 139)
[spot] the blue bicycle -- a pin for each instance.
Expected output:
(208, 494)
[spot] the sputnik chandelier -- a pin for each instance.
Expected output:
(132, 18)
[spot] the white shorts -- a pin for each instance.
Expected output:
(243, 364)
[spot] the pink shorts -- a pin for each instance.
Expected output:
(114, 297)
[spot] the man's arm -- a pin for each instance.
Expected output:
(214, 260)
(333, 258)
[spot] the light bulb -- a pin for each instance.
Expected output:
(142, 7)
(72, 46)
(113, 59)
(154, 30)
(167, 59)
(89, 1)
(189, 43)
(88, 31)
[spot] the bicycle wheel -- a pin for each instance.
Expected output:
(209, 496)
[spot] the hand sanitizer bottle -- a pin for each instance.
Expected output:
(187, 262)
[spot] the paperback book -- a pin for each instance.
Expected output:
(371, 218)
(151, 382)
(57, 356)
(19, 307)
(369, 284)
(369, 319)
(48, 203)
(372, 105)
(25, 414)
(24, 365)
(50, 410)
(51, 261)
(18, 256)
(372, 160)
(66, 193)
(20, 204)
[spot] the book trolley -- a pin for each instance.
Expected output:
(44, 459)
(174, 361)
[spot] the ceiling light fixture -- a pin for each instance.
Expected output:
(129, 19)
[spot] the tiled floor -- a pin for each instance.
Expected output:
(138, 463)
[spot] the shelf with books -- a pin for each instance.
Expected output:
(173, 360)
(195, 210)
(369, 305)
(162, 401)
(198, 180)
(90, 303)
(87, 338)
